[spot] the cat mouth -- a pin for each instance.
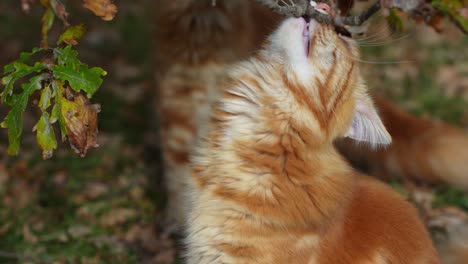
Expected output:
(310, 26)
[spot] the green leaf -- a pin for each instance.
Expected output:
(19, 70)
(46, 94)
(47, 21)
(45, 135)
(87, 80)
(452, 8)
(24, 56)
(14, 121)
(71, 35)
(67, 57)
(57, 109)
(394, 20)
(77, 74)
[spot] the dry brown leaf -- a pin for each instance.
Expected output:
(28, 236)
(4, 228)
(79, 231)
(436, 22)
(89, 260)
(81, 121)
(133, 233)
(19, 195)
(84, 213)
(4, 177)
(164, 257)
(95, 189)
(137, 193)
(463, 12)
(447, 218)
(449, 226)
(102, 8)
(117, 216)
(421, 197)
(60, 11)
(60, 178)
(26, 5)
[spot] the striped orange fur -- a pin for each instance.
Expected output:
(267, 184)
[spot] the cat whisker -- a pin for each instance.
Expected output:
(385, 42)
(286, 4)
(378, 62)
(382, 62)
(382, 37)
(369, 38)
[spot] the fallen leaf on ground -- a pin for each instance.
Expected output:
(447, 218)
(117, 216)
(88, 260)
(28, 235)
(449, 226)
(133, 234)
(79, 231)
(4, 228)
(463, 12)
(95, 189)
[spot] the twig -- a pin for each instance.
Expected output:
(360, 19)
(298, 9)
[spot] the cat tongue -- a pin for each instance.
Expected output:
(305, 38)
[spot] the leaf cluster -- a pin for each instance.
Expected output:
(65, 84)
(61, 79)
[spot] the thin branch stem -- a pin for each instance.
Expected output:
(297, 9)
(360, 19)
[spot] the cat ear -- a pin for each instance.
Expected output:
(366, 124)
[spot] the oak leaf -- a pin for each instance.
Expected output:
(72, 35)
(102, 8)
(80, 118)
(13, 121)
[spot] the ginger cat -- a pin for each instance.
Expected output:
(198, 42)
(268, 185)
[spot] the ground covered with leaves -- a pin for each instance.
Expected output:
(107, 207)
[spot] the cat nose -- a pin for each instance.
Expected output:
(323, 8)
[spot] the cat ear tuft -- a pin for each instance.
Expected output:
(366, 125)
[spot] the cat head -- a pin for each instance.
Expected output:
(320, 64)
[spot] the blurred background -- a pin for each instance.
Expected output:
(107, 207)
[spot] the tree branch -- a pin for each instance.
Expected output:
(297, 8)
(303, 8)
(360, 19)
